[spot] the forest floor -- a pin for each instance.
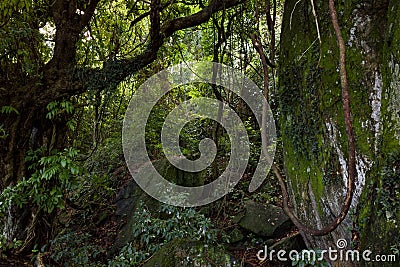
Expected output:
(104, 230)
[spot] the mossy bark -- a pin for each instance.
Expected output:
(312, 124)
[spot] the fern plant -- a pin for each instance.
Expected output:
(52, 178)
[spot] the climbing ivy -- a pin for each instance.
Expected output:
(389, 192)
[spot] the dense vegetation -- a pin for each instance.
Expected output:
(69, 69)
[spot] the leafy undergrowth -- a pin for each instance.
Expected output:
(88, 227)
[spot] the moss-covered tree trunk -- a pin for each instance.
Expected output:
(312, 121)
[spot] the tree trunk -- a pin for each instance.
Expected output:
(27, 130)
(60, 79)
(312, 121)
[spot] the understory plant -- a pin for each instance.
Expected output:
(153, 230)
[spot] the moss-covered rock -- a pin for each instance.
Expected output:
(177, 176)
(173, 253)
(264, 220)
(131, 195)
(182, 252)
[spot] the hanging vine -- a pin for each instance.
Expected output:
(350, 138)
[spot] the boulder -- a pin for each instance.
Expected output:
(130, 195)
(183, 252)
(264, 220)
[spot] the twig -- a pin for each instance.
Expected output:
(291, 14)
(258, 46)
(302, 55)
(318, 33)
(282, 240)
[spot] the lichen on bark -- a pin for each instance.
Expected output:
(312, 124)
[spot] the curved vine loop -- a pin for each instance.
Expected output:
(351, 144)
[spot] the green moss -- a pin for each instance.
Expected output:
(301, 173)
(184, 252)
(310, 95)
(171, 254)
(177, 176)
(379, 213)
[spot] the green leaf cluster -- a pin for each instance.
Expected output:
(72, 250)
(54, 108)
(53, 177)
(152, 231)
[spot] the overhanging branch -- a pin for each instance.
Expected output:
(116, 71)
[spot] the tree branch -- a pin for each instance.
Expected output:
(69, 26)
(115, 71)
(88, 13)
(198, 18)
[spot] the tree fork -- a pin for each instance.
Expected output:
(61, 79)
